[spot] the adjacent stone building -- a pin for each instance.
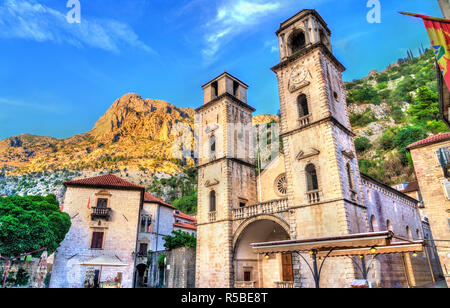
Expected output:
(431, 159)
(114, 225)
(312, 188)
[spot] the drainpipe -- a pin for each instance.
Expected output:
(157, 226)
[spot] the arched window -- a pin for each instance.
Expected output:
(350, 176)
(389, 226)
(369, 195)
(311, 178)
(212, 201)
(212, 145)
(302, 103)
(297, 41)
(374, 224)
(408, 233)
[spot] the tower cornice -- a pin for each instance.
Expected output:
(237, 160)
(219, 98)
(307, 50)
(290, 21)
(327, 119)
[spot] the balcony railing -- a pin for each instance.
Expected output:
(269, 207)
(304, 121)
(313, 196)
(212, 216)
(244, 284)
(102, 213)
(284, 284)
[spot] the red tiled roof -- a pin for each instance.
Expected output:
(184, 216)
(184, 225)
(413, 186)
(430, 140)
(152, 199)
(108, 180)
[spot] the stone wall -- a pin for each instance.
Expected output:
(437, 206)
(179, 270)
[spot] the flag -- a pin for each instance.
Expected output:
(439, 32)
(89, 203)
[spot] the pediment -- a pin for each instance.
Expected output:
(211, 129)
(210, 183)
(348, 154)
(302, 155)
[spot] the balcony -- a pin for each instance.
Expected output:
(269, 207)
(101, 213)
(313, 196)
(212, 216)
(244, 284)
(284, 284)
(304, 121)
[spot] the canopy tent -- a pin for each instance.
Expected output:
(362, 244)
(104, 261)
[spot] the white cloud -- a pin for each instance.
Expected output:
(28, 19)
(232, 18)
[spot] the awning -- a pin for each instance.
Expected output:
(104, 261)
(393, 248)
(325, 244)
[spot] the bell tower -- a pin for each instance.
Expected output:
(321, 164)
(226, 175)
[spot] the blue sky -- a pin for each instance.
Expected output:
(57, 79)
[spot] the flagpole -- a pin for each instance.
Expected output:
(426, 17)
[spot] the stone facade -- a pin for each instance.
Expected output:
(313, 188)
(119, 241)
(435, 192)
(131, 223)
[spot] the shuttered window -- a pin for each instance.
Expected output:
(446, 184)
(97, 240)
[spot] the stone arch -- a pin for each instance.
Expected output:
(249, 221)
(296, 41)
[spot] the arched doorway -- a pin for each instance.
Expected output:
(253, 270)
(141, 275)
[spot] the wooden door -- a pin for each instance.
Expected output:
(287, 267)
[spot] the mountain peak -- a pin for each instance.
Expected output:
(131, 115)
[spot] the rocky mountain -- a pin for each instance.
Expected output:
(134, 138)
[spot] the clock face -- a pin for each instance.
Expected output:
(299, 74)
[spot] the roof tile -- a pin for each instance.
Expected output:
(108, 180)
(430, 140)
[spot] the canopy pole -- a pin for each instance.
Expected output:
(429, 263)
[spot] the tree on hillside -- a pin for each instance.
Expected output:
(30, 223)
(426, 106)
(406, 136)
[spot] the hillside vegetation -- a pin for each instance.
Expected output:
(389, 111)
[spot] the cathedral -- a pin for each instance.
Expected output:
(312, 188)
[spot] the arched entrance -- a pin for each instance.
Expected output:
(141, 275)
(253, 270)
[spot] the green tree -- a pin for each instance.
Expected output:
(31, 223)
(187, 204)
(362, 144)
(406, 136)
(426, 106)
(179, 239)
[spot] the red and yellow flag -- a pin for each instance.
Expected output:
(439, 32)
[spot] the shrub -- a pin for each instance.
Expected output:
(180, 239)
(362, 144)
